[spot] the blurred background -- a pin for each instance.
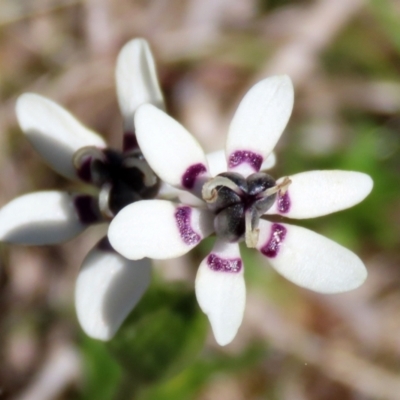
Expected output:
(344, 59)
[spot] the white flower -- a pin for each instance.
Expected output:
(108, 285)
(233, 204)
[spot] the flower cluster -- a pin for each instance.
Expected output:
(108, 285)
(228, 194)
(233, 205)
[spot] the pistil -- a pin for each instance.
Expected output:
(280, 187)
(252, 231)
(104, 201)
(210, 191)
(238, 203)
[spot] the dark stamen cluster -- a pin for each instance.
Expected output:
(121, 175)
(231, 206)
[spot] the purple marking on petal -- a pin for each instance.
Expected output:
(130, 141)
(284, 203)
(84, 207)
(240, 157)
(84, 172)
(191, 174)
(188, 235)
(224, 264)
(278, 234)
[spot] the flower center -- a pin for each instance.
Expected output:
(238, 203)
(122, 177)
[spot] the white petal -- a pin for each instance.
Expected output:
(172, 152)
(137, 81)
(315, 193)
(107, 288)
(258, 123)
(54, 133)
(40, 218)
(168, 192)
(269, 162)
(309, 259)
(158, 229)
(221, 291)
(217, 162)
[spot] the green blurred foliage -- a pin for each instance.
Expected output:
(162, 335)
(189, 383)
(101, 371)
(385, 13)
(372, 59)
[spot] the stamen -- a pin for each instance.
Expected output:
(209, 192)
(85, 152)
(104, 200)
(150, 178)
(251, 232)
(280, 187)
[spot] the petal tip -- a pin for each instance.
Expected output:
(369, 184)
(281, 80)
(142, 114)
(135, 43)
(287, 83)
(223, 340)
(136, 78)
(352, 281)
(23, 106)
(286, 78)
(146, 108)
(360, 276)
(95, 332)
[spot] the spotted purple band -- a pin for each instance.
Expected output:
(223, 264)
(188, 235)
(191, 174)
(278, 234)
(284, 203)
(245, 156)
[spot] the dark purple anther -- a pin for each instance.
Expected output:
(85, 207)
(130, 141)
(191, 174)
(278, 234)
(84, 172)
(188, 235)
(224, 265)
(240, 157)
(284, 203)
